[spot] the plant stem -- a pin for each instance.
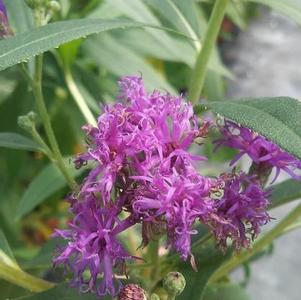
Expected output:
(37, 91)
(153, 254)
(79, 99)
(258, 246)
(24, 279)
(199, 72)
(36, 85)
(37, 138)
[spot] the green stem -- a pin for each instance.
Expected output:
(153, 254)
(79, 99)
(36, 85)
(199, 72)
(36, 136)
(171, 297)
(37, 91)
(24, 279)
(258, 246)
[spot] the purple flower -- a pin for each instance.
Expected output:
(173, 122)
(141, 165)
(5, 30)
(180, 199)
(93, 251)
(262, 151)
(134, 137)
(240, 212)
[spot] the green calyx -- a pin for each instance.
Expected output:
(51, 5)
(174, 283)
(27, 122)
(36, 3)
(154, 297)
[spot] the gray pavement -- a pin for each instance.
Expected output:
(267, 62)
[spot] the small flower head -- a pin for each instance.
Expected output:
(262, 151)
(132, 292)
(93, 251)
(5, 30)
(181, 200)
(240, 212)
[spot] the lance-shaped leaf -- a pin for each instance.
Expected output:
(278, 119)
(17, 141)
(25, 46)
(44, 185)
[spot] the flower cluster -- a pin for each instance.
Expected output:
(144, 173)
(263, 153)
(93, 245)
(5, 30)
(240, 212)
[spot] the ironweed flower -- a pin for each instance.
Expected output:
(136, 136)
(240, 212)
(5, 30)
(93, 251)
(180, 199)
(141, 165)
(262, 151)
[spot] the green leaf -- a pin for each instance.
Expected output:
(208, 260)
(104, 51)
(225, 291)
(285, 192)
(278, 119)
(26, 45)
(68, 52)
(17, 141)
(173, 14)
(62, 292)
(193, 13)
(6, 254)
(291, 8)
(237, 13)
(43, 259)
(44, 185)
(138, 11)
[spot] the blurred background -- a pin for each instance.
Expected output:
(258, 54)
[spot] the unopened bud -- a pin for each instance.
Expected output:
(36, 3)
(54, 6)
(174, 283)
(132, 292)
(61, 93)
(32, 116)
(154, 297)
(27, 122)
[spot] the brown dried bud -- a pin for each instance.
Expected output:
(132, 292)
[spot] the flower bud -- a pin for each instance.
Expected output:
(36, 3)
(27, 122)
(54, 6)
(154, 297)
(132, 292)
(174, 283)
